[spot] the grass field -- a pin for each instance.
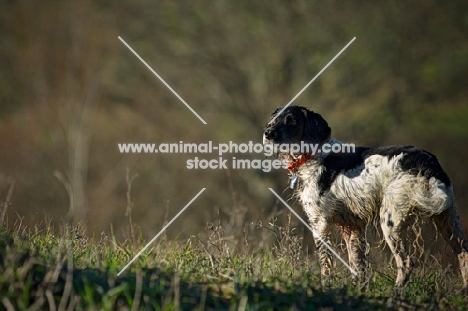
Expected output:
(63, 269)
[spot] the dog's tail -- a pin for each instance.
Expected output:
(432, 196)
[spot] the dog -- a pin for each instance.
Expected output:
(393, 186)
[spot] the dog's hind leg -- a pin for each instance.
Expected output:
(393, 224)
(449, 225)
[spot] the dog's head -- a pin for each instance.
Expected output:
(295, 125)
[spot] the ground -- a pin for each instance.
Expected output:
(43, 269)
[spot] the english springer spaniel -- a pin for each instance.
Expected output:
(393, 185)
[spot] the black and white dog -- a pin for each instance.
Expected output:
(396, 185)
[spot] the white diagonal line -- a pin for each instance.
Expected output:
(162, 80)
(314, 233)
(313, 79)
(162, 230)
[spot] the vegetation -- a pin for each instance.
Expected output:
(70, 91)
(40, 269)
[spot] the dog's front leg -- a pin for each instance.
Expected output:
(322, 235)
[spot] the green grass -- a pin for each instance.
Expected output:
(65, 269)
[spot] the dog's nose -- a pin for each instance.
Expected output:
(269, 134)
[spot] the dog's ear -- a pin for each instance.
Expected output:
(316, 129)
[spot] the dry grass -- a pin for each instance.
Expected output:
(266, 266)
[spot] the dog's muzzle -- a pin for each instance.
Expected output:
(269, 134)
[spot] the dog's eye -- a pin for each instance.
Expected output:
(290, 120)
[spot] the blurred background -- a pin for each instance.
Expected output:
(70, 91)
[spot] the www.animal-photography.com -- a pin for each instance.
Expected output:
(233, 155)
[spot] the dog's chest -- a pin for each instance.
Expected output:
(308, 190)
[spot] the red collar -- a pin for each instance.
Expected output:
(294, 165)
